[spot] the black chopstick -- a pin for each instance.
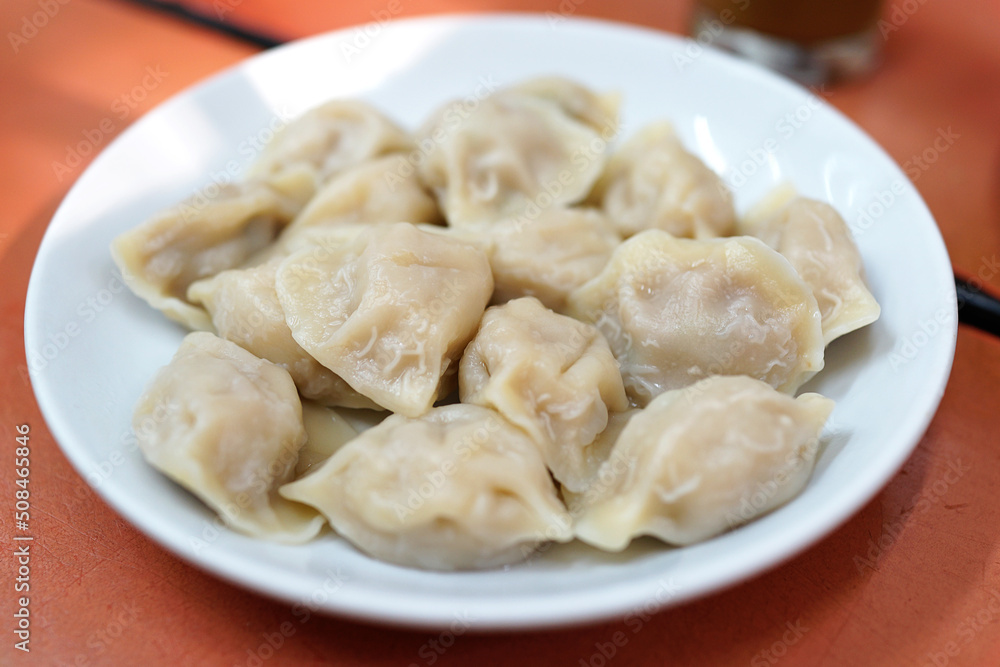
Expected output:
(216, 23)
(977, 307)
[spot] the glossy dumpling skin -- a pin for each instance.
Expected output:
(550, 256)
(227, 426)
(600, 449)
(196, 239)
(327, 430)
(390, 312)
(523, 149)
(457, 488)
(700, 460)
(375, 191)
(652, 182)
(678, 310)
(244, 309)
(324, 141)
(547, 373)
(369, 193)
(818, 243)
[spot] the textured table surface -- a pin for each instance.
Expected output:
(904, 582)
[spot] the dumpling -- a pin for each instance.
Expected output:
(390, 312)
(323, 141)
(473, 235)
(227, 426)
(651, 182)
(550, 256)
(371, 192)
(818, 243)
(196, 239)
(521, 150)
(318, 239)
(327, 430)
(678, 310)
(457, 488)
(550, 375)
(599, 451)
(245, 310)
(700, 460)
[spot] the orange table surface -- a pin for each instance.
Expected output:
(104, 594)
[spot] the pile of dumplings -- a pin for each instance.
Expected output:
(504, 330)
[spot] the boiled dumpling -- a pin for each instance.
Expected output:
(327, 430)
(371, 192)
(521, 150)
(599, 111)
(325, 140)
(652, 182)
(550, 256)
(817, 242)
(318, 239)
(549, 374)
(227, 426)
(457, 488)
(473, 235)
(698, 461)
(678, 310)
(599, 451)
(390, 312)
(245, 310)
(198, 238)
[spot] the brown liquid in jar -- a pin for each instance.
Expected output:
(803, 21)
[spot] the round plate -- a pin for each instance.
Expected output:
(92, 346)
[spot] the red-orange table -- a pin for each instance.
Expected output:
(103, 594)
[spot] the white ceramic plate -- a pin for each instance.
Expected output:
(93, 346)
